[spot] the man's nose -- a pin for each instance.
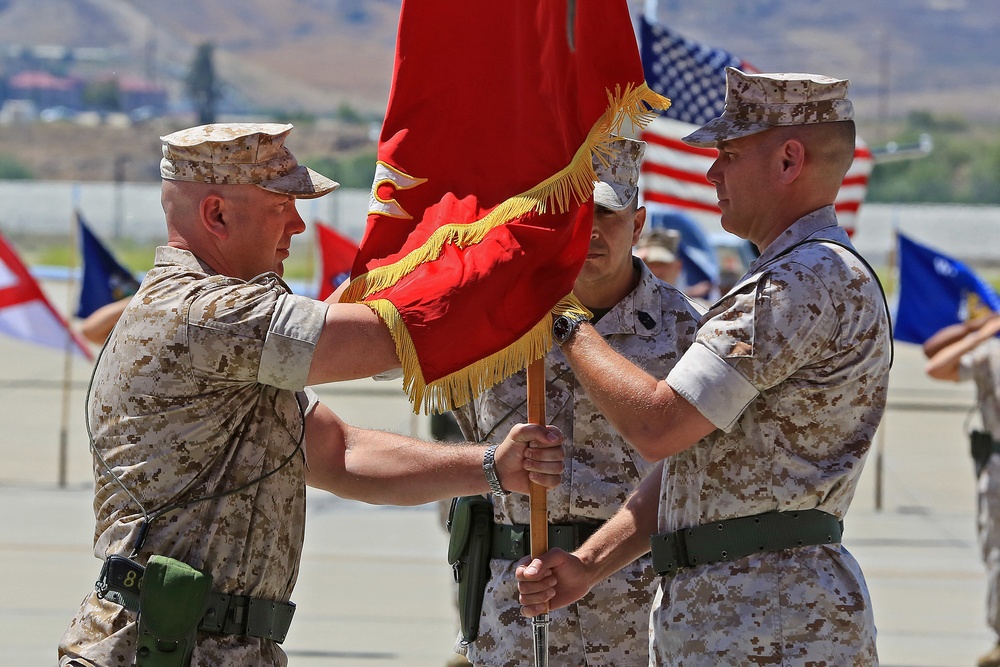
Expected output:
(296, 225)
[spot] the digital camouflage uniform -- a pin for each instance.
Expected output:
(652, 326)
(983, 365)
(792, 367)
(198, 392)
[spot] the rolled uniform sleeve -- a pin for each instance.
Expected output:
(969, 362)
(714, 387)
(291, 341)
(254, 332)
(758, 336)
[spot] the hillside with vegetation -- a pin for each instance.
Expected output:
(917, 67)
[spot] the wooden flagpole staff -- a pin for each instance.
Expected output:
(538, 524)
(538, 502)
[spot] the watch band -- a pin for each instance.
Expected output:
(489, 467)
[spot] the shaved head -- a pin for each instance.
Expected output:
(829, 146)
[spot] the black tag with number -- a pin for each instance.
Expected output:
(123, 574)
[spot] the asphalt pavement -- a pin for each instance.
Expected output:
(374, 588)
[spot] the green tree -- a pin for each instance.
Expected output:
(104, 95)
(12, 169)
(349, 114)
(202, 85)
(351, 171)
(964, 167)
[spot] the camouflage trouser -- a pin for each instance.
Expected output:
(806, 606)
(989, 537)
(608, 627)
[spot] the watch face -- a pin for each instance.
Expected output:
(562, 328)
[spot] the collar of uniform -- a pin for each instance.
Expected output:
(799, 231)
(621, 319)
(169, 255)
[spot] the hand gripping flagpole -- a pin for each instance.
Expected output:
(538, 525)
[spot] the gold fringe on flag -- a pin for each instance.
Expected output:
(458, 388)
(574, 183)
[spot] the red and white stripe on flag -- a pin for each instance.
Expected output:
(673, 173)
(25, 312)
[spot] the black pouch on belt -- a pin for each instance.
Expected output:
(172, 601)
(981, 448)
(470, 524)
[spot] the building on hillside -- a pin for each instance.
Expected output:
(46, 90)
(137, 94)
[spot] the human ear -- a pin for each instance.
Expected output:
(638, 222)
(792, 156)
(212, 209)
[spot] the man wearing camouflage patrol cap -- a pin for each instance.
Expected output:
(763, 426)
(204, 434)
(649, 322)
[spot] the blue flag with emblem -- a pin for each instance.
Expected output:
(105, 280)
(936, 291)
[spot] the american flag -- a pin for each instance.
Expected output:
(693, 76)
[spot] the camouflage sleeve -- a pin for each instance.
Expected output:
(254, 333)
(467, 422)
(768, 331)
(791, 323)
(973, 363)
(291, 341)
(715, 388)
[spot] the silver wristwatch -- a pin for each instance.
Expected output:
(564, 326)
(490, 468)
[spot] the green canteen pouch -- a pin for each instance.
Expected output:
(459, 527)
(172, 601)
(471, 526)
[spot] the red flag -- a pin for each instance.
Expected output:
(337, 254)
(25, 313)
(481, 207)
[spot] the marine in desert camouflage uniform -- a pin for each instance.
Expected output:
(198, 402)
(649, 322)
(769, 415)
(971, 351)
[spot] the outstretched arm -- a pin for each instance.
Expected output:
(953, 333)
(355, 343)
(556, 578)
(645, 410)
(944, 363)
(98, 325)
(386, 468)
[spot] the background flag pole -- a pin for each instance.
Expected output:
(68, 355)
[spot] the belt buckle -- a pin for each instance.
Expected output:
(520, 541)
(681, 548)
(675, 546)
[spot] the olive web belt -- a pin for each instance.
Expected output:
(121, 579)
(732, 539)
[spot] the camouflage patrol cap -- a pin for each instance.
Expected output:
(240, 153)
(659, 245)
(618, 173)
(757, 102)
